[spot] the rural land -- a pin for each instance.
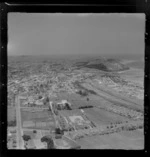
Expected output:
(75, 103)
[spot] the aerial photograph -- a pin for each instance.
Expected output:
(75, 81)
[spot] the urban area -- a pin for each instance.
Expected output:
(74, 103)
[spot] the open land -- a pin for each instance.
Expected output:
(123, 140)
(71, 103)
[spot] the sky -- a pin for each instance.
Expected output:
(83, 34)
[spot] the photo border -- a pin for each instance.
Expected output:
(124, 6)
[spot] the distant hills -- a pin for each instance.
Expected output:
(136, 64)
(95, 62)
(109, 65)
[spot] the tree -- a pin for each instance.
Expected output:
(47, 99)
(83, 93)
(56, 112)
(67, 106)
(26, 137)
(49, 141)
(111, 126)
(58, 131)
(40, 97)
(50, 144)
(58, 107)
(44, 139)
(34, 131)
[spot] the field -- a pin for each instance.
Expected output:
(41, 115)
(38, 118)
(65, 142)
(123, 140)
(30, 133)
(75, 99)
(71, 112)
(72, 116)
(37, 135)
(102, 117)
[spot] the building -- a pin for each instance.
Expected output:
(64, 104)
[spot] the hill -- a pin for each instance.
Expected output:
(136, 64)
(108, 65)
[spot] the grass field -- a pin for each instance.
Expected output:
(41, 116)
(124, 140)
(25, 115)
(102, 117)
(71, 112)
(78, 101)
(75, 99)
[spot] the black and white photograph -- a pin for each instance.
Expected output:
(75, 81)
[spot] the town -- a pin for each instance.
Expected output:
(54, 104)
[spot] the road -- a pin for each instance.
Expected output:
(56, 122)
(20, 144)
